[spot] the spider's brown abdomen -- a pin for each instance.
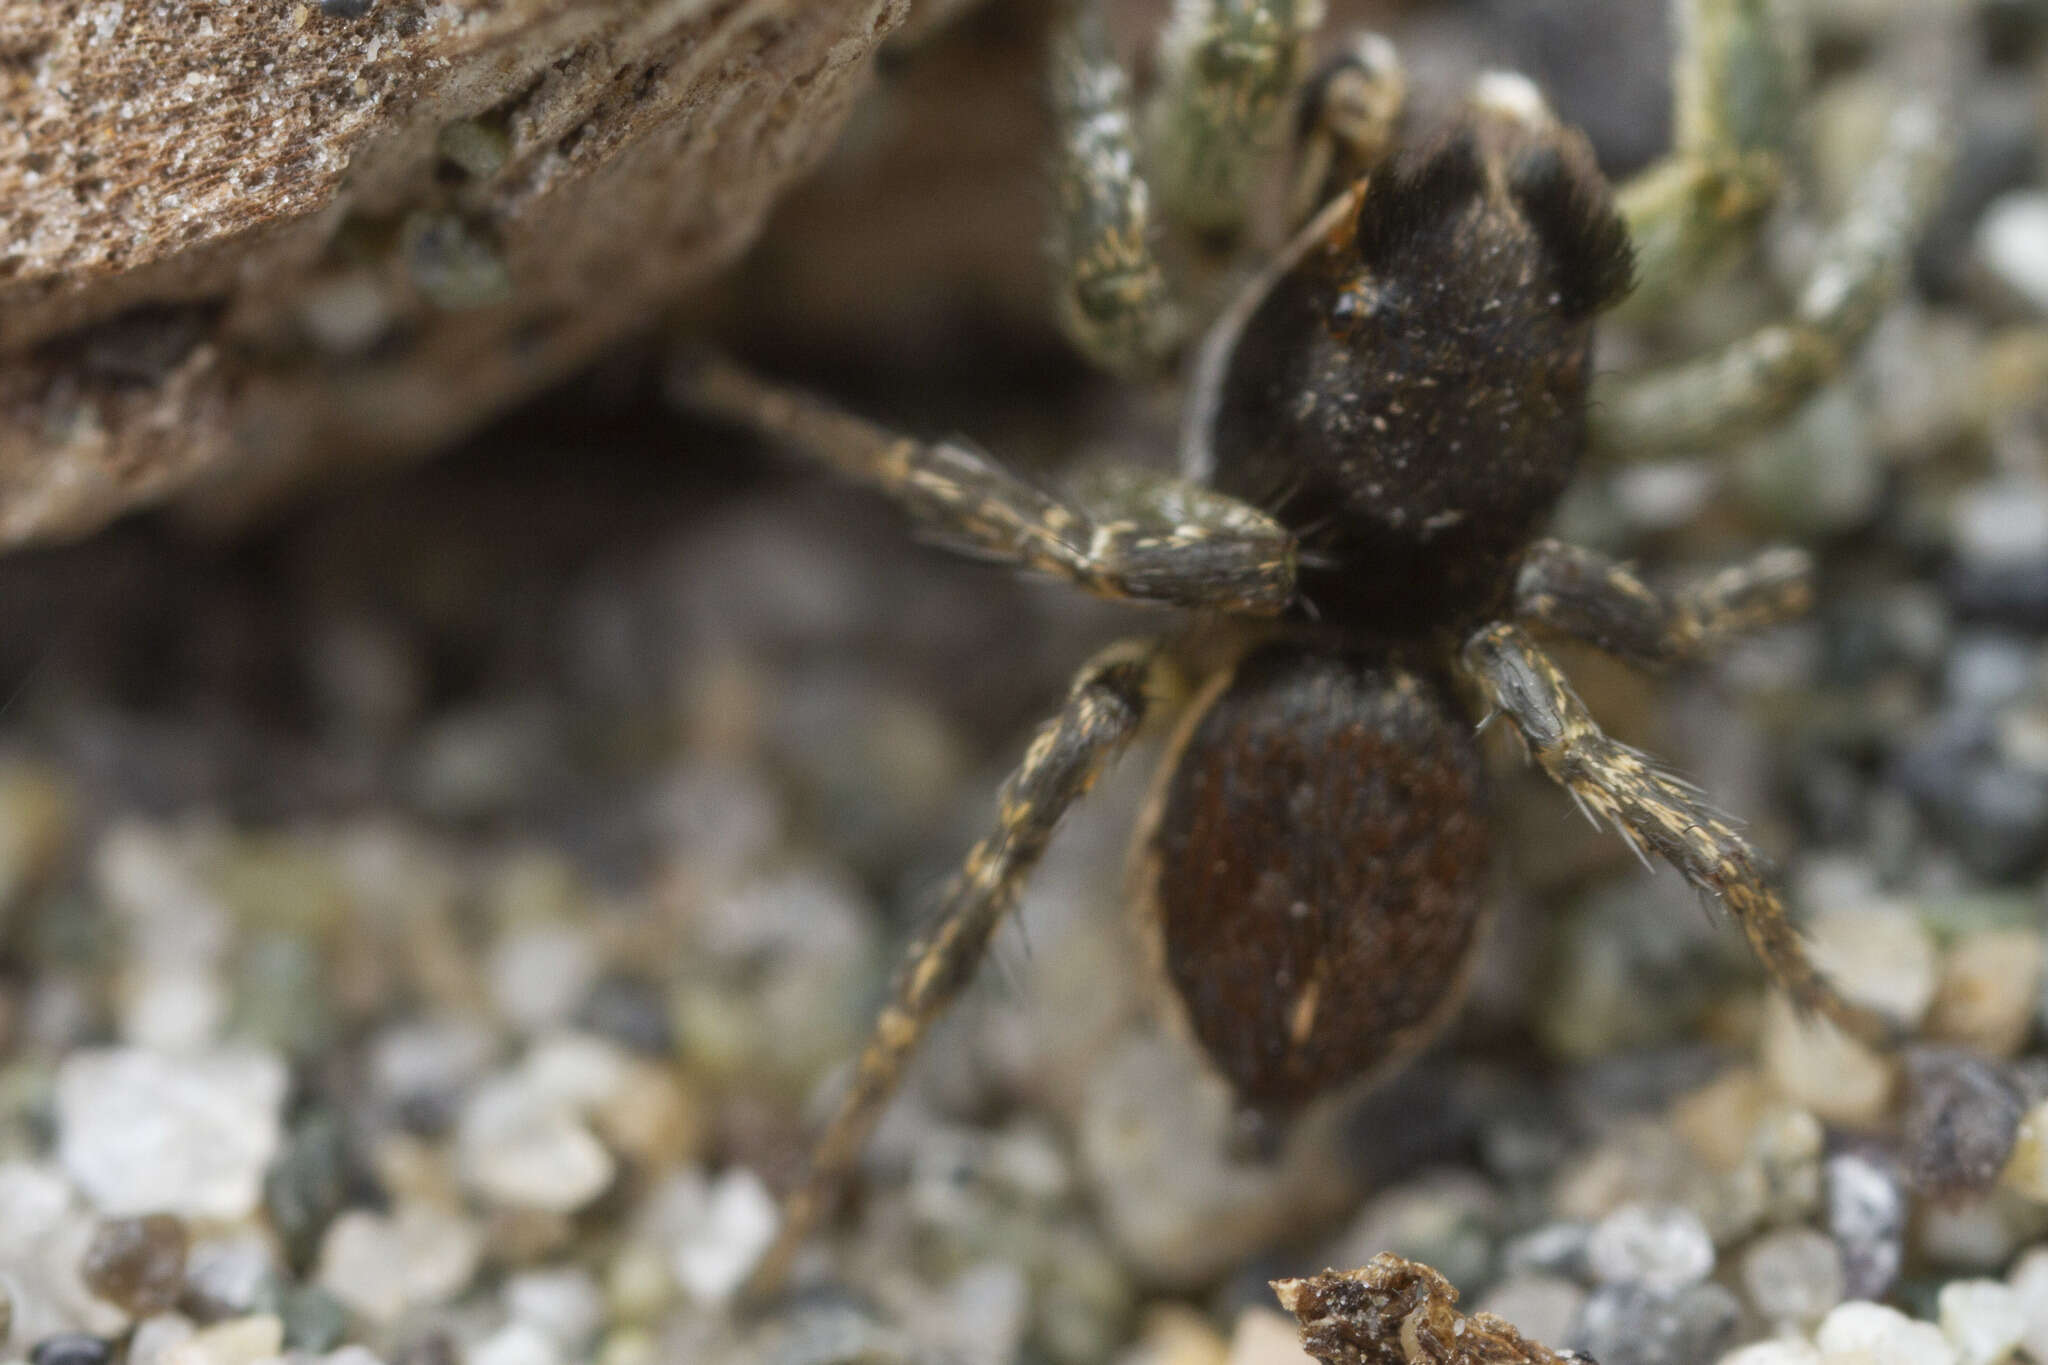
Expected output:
(1315, 869)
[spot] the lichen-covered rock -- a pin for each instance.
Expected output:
(240, 243)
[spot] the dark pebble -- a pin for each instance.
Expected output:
(2010, 594)
(1962, 1118)
(1996, 816)
(345, 9)
(314, 1320)
(1995, 153)
(308, 1185)
(72, 1348)
(138, 1263)
(1629, 1324)
(632, 1012)
(1866, 1212)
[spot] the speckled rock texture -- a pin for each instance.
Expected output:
(239, 242)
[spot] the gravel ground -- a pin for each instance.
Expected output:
(429, 923)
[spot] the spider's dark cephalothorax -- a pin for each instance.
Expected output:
(1377, 427)
(1409, 397)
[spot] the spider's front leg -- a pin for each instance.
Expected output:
(1861, 262)
(1111, 297)
(1104, 710)
(1652, 810)
(1590, 597)
(1142, 535)
(1227, 70)
(1736, 74)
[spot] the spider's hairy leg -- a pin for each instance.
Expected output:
(1861, 262)
(1653, 810)
(1159, 540)
(1737, 72)
(1345, 121)
(1227, 69)
(1104, 709)
(1110, 294)
(1590, 597)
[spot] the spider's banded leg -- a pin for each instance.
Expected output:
(1862, 260)
(1652, 810)
(1103, 711)
(1227, 68)
(1110, 295)
(1590, 597)
(1345, 121)
(1736, 74)
(1158, 539)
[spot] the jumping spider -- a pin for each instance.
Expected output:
(1377, 427)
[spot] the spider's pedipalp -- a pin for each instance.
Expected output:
(1345, 122)
(1146, 536)
(1589, 597)
(1653, 809)
(1103, 712)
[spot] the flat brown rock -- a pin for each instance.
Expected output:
(244, 239)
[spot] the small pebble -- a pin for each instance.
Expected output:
(1882, 1336)
(1793, 1275)
(1990, 990)
(1785, 1149)
(2026, 1171)
(238, 1341)
(987, 1309)
(2012, 241)
(540, 974)
(1816, 1065)
(565, 1303)
(523, 1149)
(1983, 1319)
(1265, 1337)
(2001, 523)
(1775, 1351)
(1962, 1119)
(1542, 1307)
(735, 1219)
(138, 1263)
(2029, 1281)
(1174, 1334)
(380, 1266)
(1880, 956)
(1555, 1249)
(142, 1133)
(154, 1337)
(307, 1186)
(1633, 1325)
(516, 1343)
(226, 1276)
(1663, 1247)
(72, 1348)
(1866, 1215)
(314, 1320)
(1974, 1232)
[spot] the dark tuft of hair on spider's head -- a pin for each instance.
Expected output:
(1572, 213)
(1415, 196)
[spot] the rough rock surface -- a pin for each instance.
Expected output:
(241, 240)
